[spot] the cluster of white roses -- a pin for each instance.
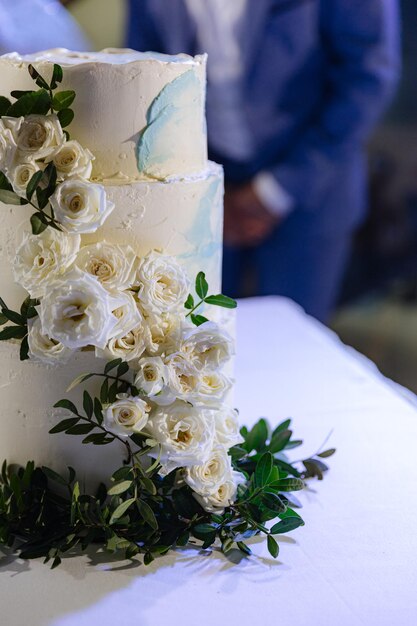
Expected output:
(103, 296)
(28, 144)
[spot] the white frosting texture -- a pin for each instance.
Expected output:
(140, 114)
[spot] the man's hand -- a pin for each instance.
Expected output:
(247, 222)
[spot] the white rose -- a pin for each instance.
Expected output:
(185, 434)
(112, 265)
(183, 378)
(126, 416)
(205, 479)
(127, 313)
(41, 259)
(207, 346)
(212, 388)
(36, 136)
(7, 147)
(163, 283)
(162, 333)
(77, 311)
(43, 349)
(130, 347)
(71, 159)
(152, 376)
(223, 496)
(227, 427)
(80, 206)
(20, 176)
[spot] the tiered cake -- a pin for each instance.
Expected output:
(141, 115)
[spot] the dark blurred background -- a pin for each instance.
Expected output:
(377, 311)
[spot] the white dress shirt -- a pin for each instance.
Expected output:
(218, 23)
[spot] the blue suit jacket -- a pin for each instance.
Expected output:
(319, 73)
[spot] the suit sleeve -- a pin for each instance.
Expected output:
(142, 34)
(361, 41)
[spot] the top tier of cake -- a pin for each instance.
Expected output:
(141, 114)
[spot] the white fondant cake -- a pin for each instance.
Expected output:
(142, 117)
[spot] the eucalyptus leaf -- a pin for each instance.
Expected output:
(9, 197)
(34, 102)
(65, 117)
(121, 510)
(62, 100)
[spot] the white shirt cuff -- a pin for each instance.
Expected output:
(272, 194)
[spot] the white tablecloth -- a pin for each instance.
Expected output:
(353, 563)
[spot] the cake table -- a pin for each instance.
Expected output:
(353, 563)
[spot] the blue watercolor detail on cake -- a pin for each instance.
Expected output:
(167, 110)
(202, 230)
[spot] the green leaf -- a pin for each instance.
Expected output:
(263, 469)
(279, 441)
(62, 100)
(189, 303)
(13, 332)
(148, 558)
(197, 320)
(244, 548)
(147, 514)
(9, 197)
(122, 369)
(273, 502)
(88, 404)
(57, 76)
(256, 438)
(65, 117)
(64, 425)
(4, 105)
(98, 439)
(111, 365)
(287, 525)
(80, 429)
(66, 404)
(273, 546)
(221, 300)
(98, 411)
(19, 93)
(288, 484)
(34, 74)
(203, 531)
(4, 183)
(35, 102)
(28, 310)
(80, 379)
(119, 488)
(201, 285)
(52, 475)
(326, 453)
(283, 426)
(121, 510)
(14, 317)
(33, 183)
(3, 319)
(104, 391)
(39, 223)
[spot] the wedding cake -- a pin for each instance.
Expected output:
(139, 125)
(117, 424)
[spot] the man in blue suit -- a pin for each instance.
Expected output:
(294, 89)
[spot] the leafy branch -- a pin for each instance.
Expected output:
(202, 291)
(43, 183)
(17, 324)
(142, 512)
